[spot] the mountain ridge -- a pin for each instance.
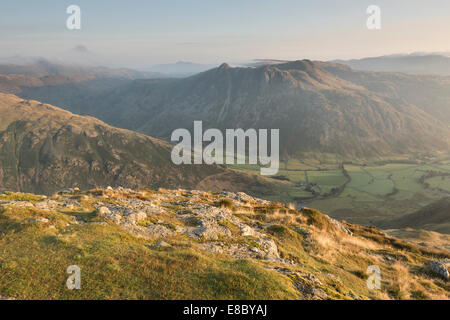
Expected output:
(288, 96)
(320, 107)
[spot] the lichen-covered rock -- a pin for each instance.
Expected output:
(158, 231)
(269, 247)
(38, 220)
(340, 226)
(136, 217)
(243, 197)
(210, 229)
(248, 231)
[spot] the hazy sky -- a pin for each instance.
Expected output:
(141, 33)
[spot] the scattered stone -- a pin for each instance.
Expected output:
(158, 231)
(136, 217)
(243, 197)
(210, 229)
(302, 231)
(306, 283)
(17, 203)
(47, 205)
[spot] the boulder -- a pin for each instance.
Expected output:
(103, 211)
(136, 217)
(248, 231)
(440, 267)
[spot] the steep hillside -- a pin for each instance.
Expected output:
(424, 238)
(44, 149)
(429, 93)
(435, 217)
(179, 244)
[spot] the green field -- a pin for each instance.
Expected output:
(361, 193)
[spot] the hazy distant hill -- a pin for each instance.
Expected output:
(41, 67)
(44, 149)
(13, 83)
(414, 64)
(181, 68)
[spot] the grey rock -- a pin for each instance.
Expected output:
(162, 244)
(38, 220)
(440, 267)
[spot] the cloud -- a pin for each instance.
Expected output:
(80, 48)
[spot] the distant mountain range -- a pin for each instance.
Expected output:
(413, 64)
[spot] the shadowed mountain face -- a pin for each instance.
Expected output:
(318, 107)
(44, 149)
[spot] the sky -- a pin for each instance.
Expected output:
(142, 33)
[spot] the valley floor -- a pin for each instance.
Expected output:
(363, 192)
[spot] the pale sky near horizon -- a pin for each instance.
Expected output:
(141, 33)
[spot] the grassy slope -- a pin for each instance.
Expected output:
(117, 265)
